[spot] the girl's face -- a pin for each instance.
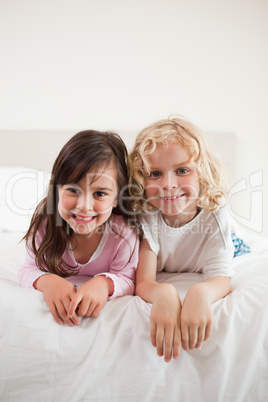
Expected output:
(172, 184)
(86, 205)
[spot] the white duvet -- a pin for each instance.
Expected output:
(110, 358)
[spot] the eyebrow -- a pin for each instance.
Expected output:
(177, 165)
(102, 188)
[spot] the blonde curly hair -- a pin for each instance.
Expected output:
(211, 173)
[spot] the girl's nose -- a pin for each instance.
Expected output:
(169, 181)
(85, 202)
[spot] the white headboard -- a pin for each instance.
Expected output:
(38, 149)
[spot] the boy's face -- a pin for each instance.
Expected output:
(172, 186)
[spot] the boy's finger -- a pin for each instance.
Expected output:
(168, 344)
(177, 343)
(153, 333)
(185, 337)
(193, 337)
(160, 341)
(208, 331)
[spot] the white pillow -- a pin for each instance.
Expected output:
(21, 189)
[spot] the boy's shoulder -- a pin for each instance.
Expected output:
(151, 217)
(222, 214)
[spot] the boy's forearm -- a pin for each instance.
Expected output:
(150, 291)
(212, 289)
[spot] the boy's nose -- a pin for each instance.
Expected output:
(169, 181)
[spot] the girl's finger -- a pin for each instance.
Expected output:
(62, 312)
(54, 313)
(76, 299)
(96, 311)
(87, 308)
(70, 318)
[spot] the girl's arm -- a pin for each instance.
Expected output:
(122, 269)
(56, 290)
(196, 314)
(58, 293)
(165, 314)
(119, 281)
(91, 297)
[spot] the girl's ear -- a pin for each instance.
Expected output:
(115, 204)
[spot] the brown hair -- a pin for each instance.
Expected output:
(85, 150)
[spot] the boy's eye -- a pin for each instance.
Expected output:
(182, 171)
(155, 174)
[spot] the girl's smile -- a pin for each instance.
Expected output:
(87, 204)
(82, 219)
(172, 184)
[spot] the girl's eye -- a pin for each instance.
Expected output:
(99, 194)
(155, 174)
(182, 171)
(73, 190)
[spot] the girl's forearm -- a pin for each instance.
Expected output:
(106, 282)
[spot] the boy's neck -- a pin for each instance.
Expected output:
(177, 221)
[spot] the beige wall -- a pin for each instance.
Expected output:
(123, 64)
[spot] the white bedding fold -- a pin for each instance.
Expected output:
(110, 358)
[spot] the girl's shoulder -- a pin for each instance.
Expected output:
(120, 226)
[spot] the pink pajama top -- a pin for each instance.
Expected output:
(116, 257)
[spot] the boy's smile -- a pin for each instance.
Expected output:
(172, 185)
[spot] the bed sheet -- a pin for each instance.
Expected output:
(110, 358)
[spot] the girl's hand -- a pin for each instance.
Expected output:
(91, 297)
(196, 318)
(165, 322)
(58, 293)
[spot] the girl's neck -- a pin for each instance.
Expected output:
(84, 246)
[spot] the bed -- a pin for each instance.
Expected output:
(110, 358)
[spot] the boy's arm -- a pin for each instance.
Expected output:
(165, 313)
(196, 314)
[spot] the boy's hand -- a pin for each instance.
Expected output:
(91, 297)
(165, 322)
(58, 293)
(196, 318)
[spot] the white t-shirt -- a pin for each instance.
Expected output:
(203, 245)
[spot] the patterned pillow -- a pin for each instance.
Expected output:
(240, 246)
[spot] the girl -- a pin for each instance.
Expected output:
(178, 186)
(80, 230)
